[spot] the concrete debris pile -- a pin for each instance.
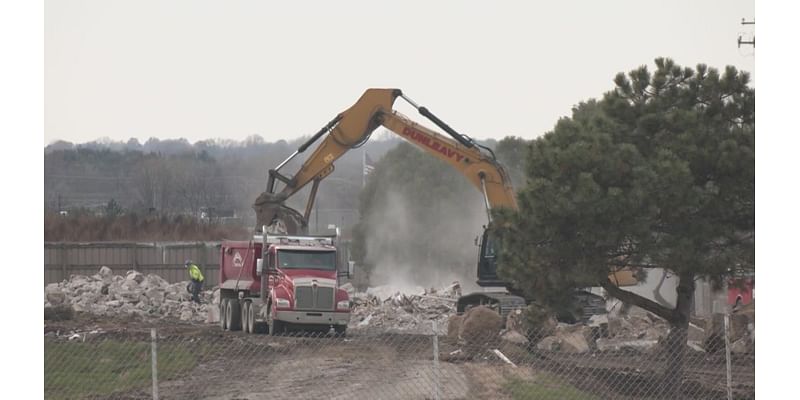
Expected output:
(390, 310)
(604, 333)
(644, 333)
(151, 296)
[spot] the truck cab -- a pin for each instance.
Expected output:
(280, 282)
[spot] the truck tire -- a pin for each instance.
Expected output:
(223, 319)
(251, 318)
(243, 315)
(247, 327)
(234, 315)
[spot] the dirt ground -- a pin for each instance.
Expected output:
(236, 366)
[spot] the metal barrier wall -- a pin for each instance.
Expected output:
(162, 258)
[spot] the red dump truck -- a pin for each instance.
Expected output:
(277, 283)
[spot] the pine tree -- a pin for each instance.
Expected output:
(659, 173)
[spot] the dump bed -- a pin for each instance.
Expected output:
(237, 267)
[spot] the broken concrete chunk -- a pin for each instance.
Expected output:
(114, 303)
(696, 346)
(575, 343)
(481, 325)
(152, 281)
(625, 344)
(549, 343)
(514, 337)
(54, 295)
(105, 272)
(135, 276)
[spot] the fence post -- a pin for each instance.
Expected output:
(154, 352)
(728, 355)
(435, 360)
(135, 257)
(203, 255)
(64, 275)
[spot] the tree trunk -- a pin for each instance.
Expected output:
(675, 344)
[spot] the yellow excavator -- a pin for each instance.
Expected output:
(352, 128)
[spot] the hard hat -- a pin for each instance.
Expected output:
(186, 264)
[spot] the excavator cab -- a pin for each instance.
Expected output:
(487, 261)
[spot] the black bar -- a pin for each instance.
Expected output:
(271, 181)
(457, 136)
(311, 198)
(321, 132)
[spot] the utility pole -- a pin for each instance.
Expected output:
(750, 42)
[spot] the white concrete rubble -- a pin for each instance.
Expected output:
(388, 309)
(147, 296)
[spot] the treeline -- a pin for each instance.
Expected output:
(170, 177)
(83, 227)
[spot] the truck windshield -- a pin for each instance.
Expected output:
(297, 259)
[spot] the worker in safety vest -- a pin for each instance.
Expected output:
(197, 279)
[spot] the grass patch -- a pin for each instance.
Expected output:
(75, 370)
(544, 386)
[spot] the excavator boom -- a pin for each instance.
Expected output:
(352, 128)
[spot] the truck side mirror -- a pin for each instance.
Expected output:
(259, 266)
(351, 266)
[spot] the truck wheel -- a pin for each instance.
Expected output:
(251, 318)
(244, 319)
(234, 315)
(223, 317)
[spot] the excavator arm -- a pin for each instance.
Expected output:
(353, 127)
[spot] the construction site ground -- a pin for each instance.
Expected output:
(383, 365)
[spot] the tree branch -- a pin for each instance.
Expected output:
(639, 301)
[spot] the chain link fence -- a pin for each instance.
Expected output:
(471, 362)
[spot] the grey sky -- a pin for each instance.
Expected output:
(230, 69)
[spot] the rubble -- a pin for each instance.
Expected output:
(514, 336)
(625, 344)
(146, 296)
(575, 343)
(386, 308)
(481, 325)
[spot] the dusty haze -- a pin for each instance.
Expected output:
(452, 253)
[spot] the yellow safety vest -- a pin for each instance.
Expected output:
(194, 273)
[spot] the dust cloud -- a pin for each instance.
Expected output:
(409, 254)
